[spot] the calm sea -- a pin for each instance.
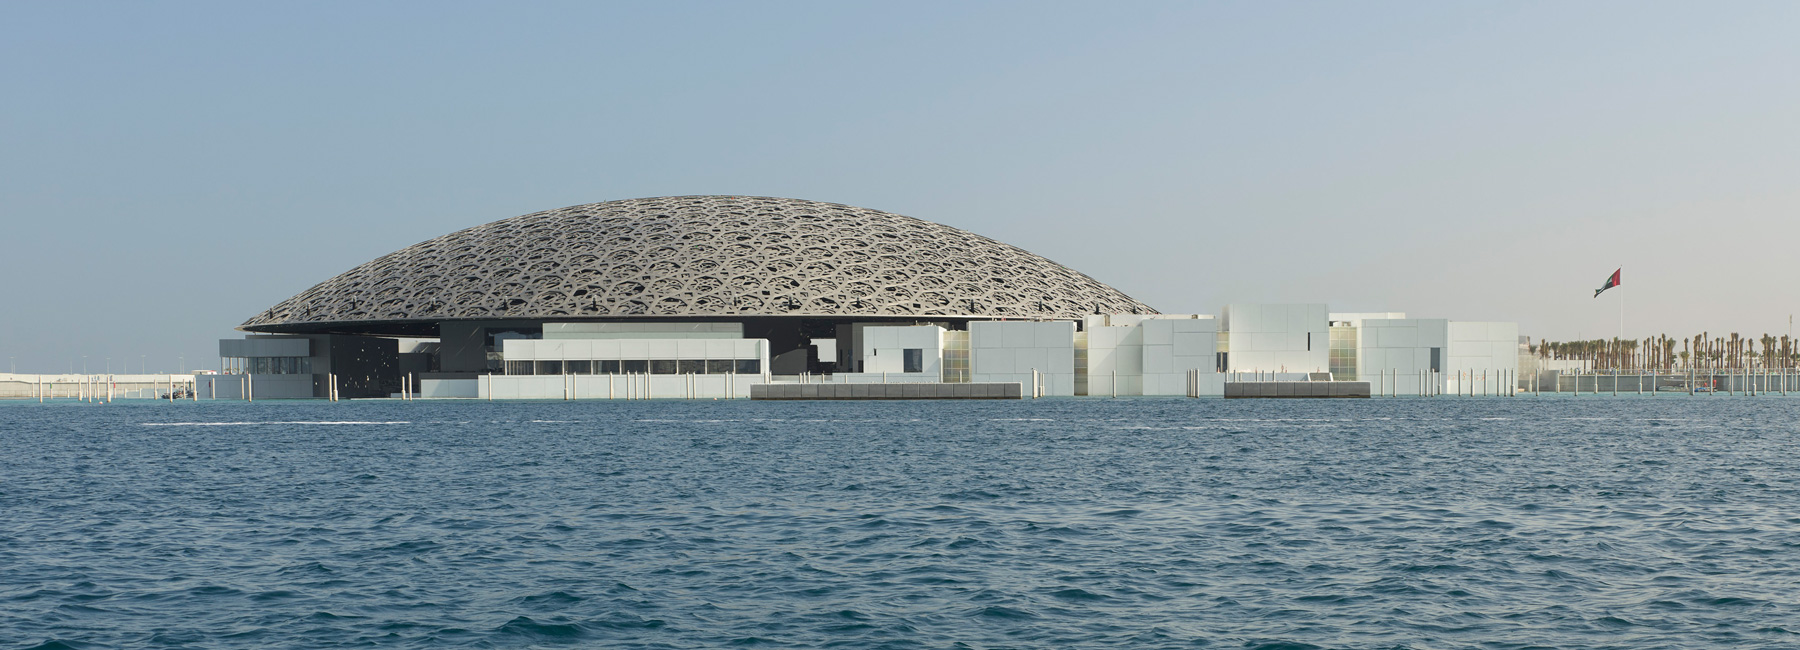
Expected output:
(1592, 522)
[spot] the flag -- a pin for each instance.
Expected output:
(1611, 281)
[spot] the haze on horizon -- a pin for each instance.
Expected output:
(169, 169)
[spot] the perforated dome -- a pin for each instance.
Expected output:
(698, 257)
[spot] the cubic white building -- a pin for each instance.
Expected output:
(1133, 354)
(1484, 358)
(1402, 356)
(1025, 352)
(1286, 340)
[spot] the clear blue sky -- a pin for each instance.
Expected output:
(170, 169)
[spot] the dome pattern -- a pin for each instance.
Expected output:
(700, 256)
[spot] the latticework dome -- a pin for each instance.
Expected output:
(699, 257)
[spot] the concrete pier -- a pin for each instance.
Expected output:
(1295, 389)
(989, 390)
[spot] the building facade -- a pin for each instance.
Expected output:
(704, 296)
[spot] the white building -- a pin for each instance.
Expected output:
(1402, 356)
(1483, 358)
(1424, 356)
(701, 365)
(1288, 340)
(896, 354)
(1012, 351)
(1100, 355)
(1151, 355)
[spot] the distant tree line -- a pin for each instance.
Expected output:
(1702, 351)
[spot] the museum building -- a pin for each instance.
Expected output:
(704, 296)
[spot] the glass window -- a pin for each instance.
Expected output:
(692, 366)
(912, 360)
(607, 367)
(662, 366)
(956, 356)
(749, 366)
(518, 367)
(719, 366)
(577, 367)
(639, 366)
(549, 367)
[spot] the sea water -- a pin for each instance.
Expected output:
(1592, 522)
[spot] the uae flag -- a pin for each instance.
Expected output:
(1611, 281)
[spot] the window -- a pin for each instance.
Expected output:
(955, 365)
(269, 365)
(617, 366)
(1436, 354)
(1342, 353)
(912, 360)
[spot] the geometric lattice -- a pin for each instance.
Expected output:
(701, 256)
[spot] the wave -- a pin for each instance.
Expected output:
(248, 424)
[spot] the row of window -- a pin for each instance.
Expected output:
(1342, 357)
(267, 365)
(956, 357)
(637, 366)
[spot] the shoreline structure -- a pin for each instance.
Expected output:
(705, 297)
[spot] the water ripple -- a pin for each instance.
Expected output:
(1602, 522)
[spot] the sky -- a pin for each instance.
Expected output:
(170, 169)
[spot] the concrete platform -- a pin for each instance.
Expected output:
(990, 390)
(1295, 389)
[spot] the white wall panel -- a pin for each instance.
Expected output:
(1009, 350)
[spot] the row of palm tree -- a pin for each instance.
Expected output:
(1702, 351)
